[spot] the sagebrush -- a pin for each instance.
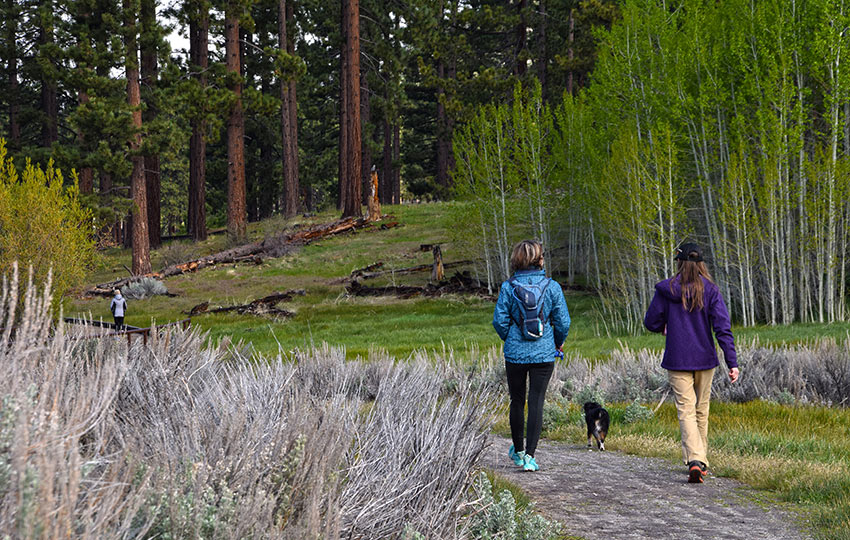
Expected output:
(174, 439)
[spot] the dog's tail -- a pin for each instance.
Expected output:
(599, 432)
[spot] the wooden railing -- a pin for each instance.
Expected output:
(127, 330)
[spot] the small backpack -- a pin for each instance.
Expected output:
(530, 299)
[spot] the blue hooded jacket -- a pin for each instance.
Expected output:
(555, 312)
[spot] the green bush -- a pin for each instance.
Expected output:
(43, 225)
(500, 518)
(635, 412)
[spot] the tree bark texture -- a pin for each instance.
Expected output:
(141, 247)
(236, 220)
(343, 107)
(199, 23)
(521, 39)
(86, 173)
(570, 51)
(365, 149)
(396, 164)
(543, 62)
(49, 102)
(386, 188)
(351, 94)
(12, 71)
(289, 205)
(149, 81)
(293, 103)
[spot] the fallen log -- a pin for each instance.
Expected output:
(261, 306)
(407, 270)
(268, 246)
(460, 283)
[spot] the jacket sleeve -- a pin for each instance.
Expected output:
(656, 316)
(722, 326)
(112, 306)
(559, 317)
(501, 316)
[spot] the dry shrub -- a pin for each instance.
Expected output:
(177, 440)
(816, 372)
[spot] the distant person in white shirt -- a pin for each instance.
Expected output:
(118, 306)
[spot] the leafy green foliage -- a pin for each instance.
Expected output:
(43, 225)
(498, 517)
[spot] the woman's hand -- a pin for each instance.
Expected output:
(733, 374)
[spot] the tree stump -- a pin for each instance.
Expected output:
(374, 206)
(437, 270)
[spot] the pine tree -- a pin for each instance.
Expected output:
(236, 189)
(138, 190)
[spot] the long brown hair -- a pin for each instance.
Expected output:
(693, 289)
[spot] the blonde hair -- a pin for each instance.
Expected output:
(526, 254)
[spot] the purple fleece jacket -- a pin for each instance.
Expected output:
(690, 345)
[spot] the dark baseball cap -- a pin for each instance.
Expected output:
(684, 253)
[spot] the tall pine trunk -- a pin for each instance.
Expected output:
(12, 71)
(365, 149)
(385, 191)
(521, 65)
(293, 103)
(236, 220)
(350, 153)
(199, 23)
(342, 173)
(49, 102)
(141, 247)
(289, 201)
(86, 173)
(396, 183)
(149, 81)
(543, 61)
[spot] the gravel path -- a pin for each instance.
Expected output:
(614, 496)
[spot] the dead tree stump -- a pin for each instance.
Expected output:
(374, 206)
(437, 270)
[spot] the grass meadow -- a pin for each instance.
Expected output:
(796, 449)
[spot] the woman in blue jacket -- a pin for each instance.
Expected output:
(687, 308)
(529, 361)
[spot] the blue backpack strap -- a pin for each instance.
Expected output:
(542, 298)
(513, 296)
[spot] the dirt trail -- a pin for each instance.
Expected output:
(614, 496)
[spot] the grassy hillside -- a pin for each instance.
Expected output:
(327, 314)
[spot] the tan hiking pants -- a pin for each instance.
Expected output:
(692, 393)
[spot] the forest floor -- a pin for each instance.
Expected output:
(606, 495)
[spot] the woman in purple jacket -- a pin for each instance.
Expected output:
(687, 308)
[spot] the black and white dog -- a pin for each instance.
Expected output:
(597, 423)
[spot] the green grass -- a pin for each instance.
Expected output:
(326, 314)
(798, 453)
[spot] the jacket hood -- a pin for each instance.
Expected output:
(671, 289)
(118, 296)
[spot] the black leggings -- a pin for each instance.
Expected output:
(538, 376)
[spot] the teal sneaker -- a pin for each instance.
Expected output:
(528, 463)
(516, 457)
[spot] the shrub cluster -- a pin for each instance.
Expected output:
(144, 288)
(499, 518)
(177, 440)
(816, 372)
